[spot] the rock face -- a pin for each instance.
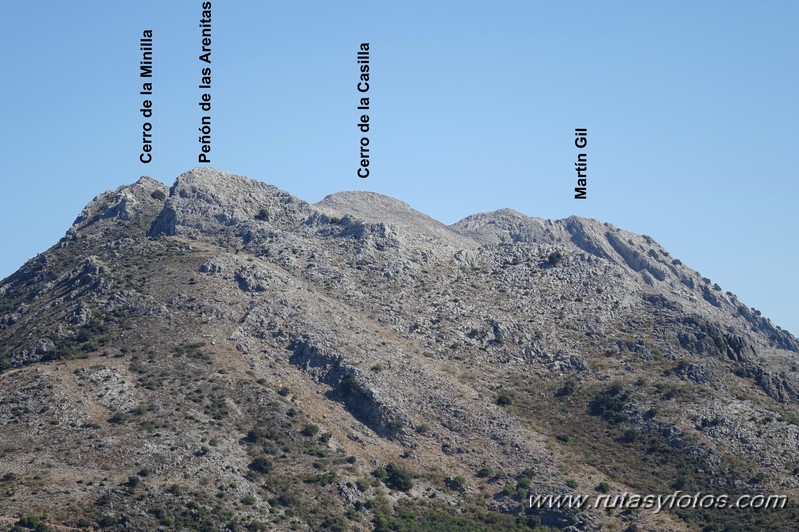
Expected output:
(220, 354)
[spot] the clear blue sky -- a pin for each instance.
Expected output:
(690, 106)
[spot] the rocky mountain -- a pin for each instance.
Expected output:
(220, 355)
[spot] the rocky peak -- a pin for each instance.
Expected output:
(209, 201)
(412, 228)
(507, 226)
(134, 203)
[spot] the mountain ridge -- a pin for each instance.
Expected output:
(472, 364)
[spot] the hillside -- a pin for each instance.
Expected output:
(220, 355)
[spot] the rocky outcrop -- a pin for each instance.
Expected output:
(138, 201)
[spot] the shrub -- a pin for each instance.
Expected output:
(158, 195)
(504, 399)
(336, 524)
(609, 404)
(568, 388)
(261, 465)
(398, 478)
(554, 258)
(5, 363)
(310, 430)
(485, 472)
(263, 215)
(395, 425)
(629, 436)
(350, 386)
(118, 417)
(602, 487)
(571, 483)
(33, 523)
(106, 521)
(288, 499)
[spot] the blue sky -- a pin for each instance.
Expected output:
(690, 108)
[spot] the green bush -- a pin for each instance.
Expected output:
(398, 478)
(310, 430)
(263, 215)
(158, 195)
(629, 436)
(485, 472)
(609, 404)
(33, 523)
(336, 524)
(261, 465)
(350, 386)
(106, 521)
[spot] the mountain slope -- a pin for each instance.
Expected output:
(220, 354)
